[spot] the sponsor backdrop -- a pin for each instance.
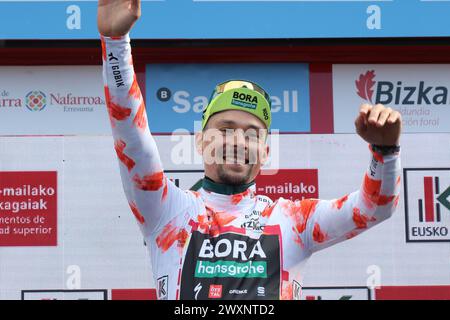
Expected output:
(69, 98)
(66, 230)
(178, 101)
(99, 245)
(171, 19)
(419, 92)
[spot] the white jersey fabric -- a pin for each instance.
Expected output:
(213, 245)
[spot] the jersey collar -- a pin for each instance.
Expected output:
(226, 189)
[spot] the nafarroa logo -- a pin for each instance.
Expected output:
(35, 100)
(398, 93)
(427, 204)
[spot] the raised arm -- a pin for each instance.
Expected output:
(323, 223)
(153, 199)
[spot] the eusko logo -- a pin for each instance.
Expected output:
(364, 85)
(35, 100)
(427, 204)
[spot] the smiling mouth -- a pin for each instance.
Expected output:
(236, 160)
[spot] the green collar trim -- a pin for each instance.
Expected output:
(221, 188)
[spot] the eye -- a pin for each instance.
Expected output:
(226, 130)
(252, 134)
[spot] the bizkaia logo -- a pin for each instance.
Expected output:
(396, 92)
(35, 100)
(427, 204)
(184, 101)
(293, 184)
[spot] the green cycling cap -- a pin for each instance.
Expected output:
(239, 95)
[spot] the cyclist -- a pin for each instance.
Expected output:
(198, 242)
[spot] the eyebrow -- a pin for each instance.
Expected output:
(231, 123)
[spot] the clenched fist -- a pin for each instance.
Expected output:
(379, 125)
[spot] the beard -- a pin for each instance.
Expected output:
(234, 178)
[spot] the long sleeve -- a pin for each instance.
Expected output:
(153, 199)
(323, 223)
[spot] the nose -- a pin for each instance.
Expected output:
(236, 144)
(240, 139)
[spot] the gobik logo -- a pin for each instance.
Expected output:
(427, 204)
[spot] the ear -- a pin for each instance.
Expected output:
(199, 142)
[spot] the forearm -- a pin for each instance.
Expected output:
(126, 108)
(336, 220)
(379, 193)
(140, 167)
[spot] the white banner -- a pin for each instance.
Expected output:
(100, 246)
(52, 100)
(419, 92)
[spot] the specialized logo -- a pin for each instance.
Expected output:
(427, 204)
(296, 290)
(244, 100)
(163, 288)
(235, 262)
(197, 289)
(35, 100)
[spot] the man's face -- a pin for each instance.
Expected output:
(233, 147)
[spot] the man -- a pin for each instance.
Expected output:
(199, 245)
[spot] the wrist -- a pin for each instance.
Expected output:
(115, 38)
(385, 149)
